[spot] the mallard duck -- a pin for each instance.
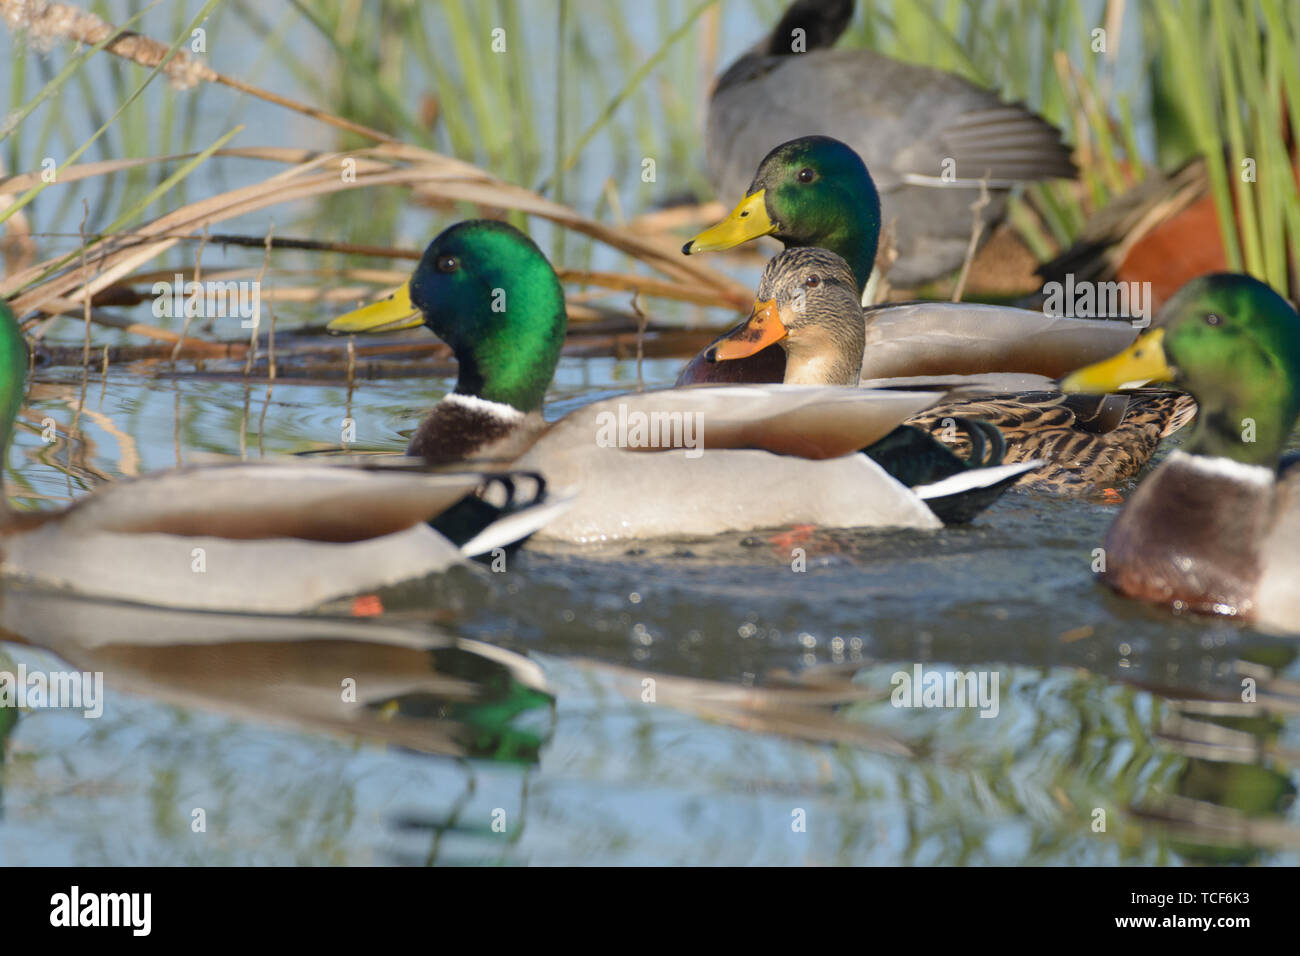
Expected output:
(725, 459)
(929, 136)
(807, 306)
(1086, 443)
(250, 537)
(816, 191)
(1216, 527)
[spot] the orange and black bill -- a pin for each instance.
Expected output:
(763, 328)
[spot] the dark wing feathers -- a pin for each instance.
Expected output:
(1010, 141)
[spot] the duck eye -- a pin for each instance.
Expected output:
(448, 263)
(1213, 318)
(813, 281)
(806, 175)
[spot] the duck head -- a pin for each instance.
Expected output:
(808, 305)
(810, 191)
(1232, 343)
(485, 289)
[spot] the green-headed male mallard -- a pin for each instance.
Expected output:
(929, 136)
(677, 463)
(1216, 527)
(247, 537)
(816, 191)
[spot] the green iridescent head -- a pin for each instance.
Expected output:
(810, 191)
(13, 375)
(1234, 345)
(486, 290)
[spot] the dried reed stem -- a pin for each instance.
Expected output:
(49, 23)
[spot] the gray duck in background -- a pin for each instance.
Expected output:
(903, 120)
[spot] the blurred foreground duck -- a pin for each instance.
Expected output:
(277, 538)
(1216, 527)
(679, 462)
(927, 135)
(816, 191)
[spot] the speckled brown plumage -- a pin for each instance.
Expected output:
(1089, 442)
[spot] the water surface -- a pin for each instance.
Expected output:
(768, 705)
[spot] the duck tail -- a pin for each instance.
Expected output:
(822, 22)
(1184, 410)
(915, 456)
(502, 514)
(960, 497)
(956, 488)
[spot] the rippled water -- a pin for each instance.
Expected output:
(675, 702)
(682, 702)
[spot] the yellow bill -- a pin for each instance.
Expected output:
(763, 328)
(1142, 362)
(747, 221)
(387, 315)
